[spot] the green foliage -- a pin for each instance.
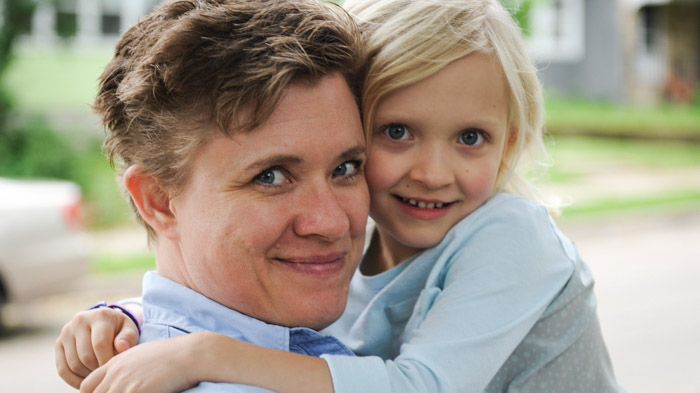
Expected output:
(520, 10)
(15, 13)
(30, 148)
(6, 104)
(34, 151)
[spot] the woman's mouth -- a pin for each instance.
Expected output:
(315, 265)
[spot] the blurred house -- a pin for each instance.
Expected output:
(635, 51)
(83, 22)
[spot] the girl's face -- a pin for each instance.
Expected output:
(436, 152)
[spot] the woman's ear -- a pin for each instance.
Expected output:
(152, 202)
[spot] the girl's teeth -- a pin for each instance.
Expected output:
(424, 205)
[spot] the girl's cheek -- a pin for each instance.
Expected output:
(379, 171)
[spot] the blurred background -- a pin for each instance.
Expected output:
(623, 122)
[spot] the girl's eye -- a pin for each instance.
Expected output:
(472, 138)
(347, 169)
(271, 177)
(397, 132)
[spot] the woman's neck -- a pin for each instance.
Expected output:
(384, 253)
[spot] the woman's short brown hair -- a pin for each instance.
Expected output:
(191, 64)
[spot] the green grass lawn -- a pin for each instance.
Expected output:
(578, 158)
(572, 154)
(565, 116)
(103, 262)
(52, 80)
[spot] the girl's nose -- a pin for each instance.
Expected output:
(433, 168)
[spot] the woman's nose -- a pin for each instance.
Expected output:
(321, 214)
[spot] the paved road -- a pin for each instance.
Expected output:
(647, 271)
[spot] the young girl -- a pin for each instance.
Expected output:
(466, 285)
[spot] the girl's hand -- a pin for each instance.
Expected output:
(90, 340)
(162, 366)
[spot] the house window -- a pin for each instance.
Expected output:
(66, 18)
(111, 17)
(650, 21)
(557, 30)
(110, 24)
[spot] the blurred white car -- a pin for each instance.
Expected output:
(43, 249)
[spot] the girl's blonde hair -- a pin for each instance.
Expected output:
(409, 40)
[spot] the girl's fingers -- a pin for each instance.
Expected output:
(127, 338)
(73, 359)
(64, 370)
(102, 337)
(85, 352)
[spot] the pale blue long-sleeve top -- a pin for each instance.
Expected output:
(171, 309)
(503, 304)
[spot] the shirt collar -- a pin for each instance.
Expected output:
(169, 303)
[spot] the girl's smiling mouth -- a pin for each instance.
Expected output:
(421, 204)
(424, 210)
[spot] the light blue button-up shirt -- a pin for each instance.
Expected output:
(171, 309)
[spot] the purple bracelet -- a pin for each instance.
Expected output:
(122, 309)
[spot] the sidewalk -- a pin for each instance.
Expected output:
(647, 267)
(647, 271)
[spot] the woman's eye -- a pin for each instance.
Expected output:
(271, 177)
(347, 169)
(472, 138)
(397, 132)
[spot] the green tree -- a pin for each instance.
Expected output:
(13, 17)
(28, 148)
(520, 9)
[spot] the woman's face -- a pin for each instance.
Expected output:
(271, 222)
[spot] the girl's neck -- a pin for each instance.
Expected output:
(384, 253)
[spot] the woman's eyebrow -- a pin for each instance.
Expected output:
(289, 159)
(274, 160)
(353, 152)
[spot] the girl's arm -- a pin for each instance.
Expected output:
(212, 357)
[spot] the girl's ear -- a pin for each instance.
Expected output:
(152, 202)
(512, 136)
